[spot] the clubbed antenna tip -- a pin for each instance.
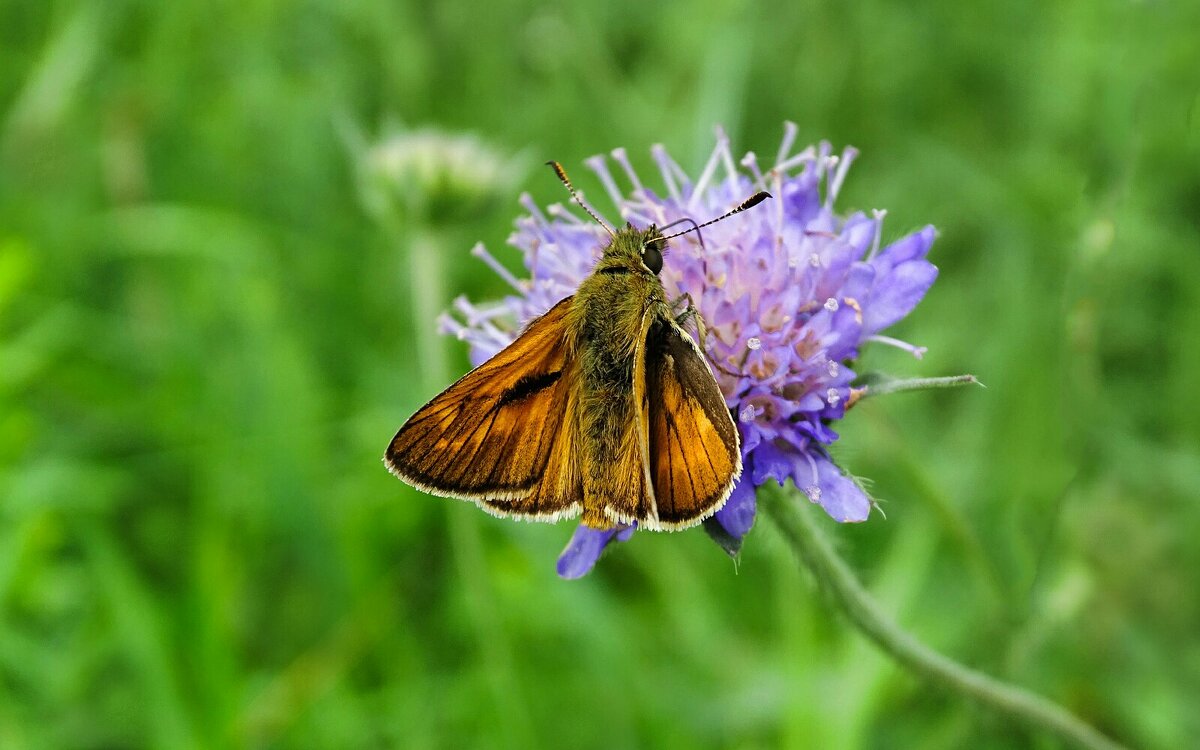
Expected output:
(750, 202)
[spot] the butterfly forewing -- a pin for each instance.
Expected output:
(502, 435)
(693, 450)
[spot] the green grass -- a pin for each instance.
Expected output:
(206, 342)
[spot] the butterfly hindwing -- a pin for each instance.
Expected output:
(503, 434)
(693, 455)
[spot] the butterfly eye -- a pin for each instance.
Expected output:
(652, 256)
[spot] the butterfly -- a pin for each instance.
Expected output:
(603, 407)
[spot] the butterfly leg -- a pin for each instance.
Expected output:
(689, 308)
(690, 312)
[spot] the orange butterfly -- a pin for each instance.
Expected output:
(603, 406)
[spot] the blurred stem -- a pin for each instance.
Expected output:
(425, 287)
(426, 250)
(833, 575)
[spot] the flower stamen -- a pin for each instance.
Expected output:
(843, 166)
(599, 167)
(702, 184)
(750, 162)
(879, 214)
(804, 157)
(619, 155)
(670, 171)
(917, 351)
(790, 129)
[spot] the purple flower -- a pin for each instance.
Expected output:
(790, 292)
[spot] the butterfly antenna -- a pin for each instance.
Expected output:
(695, 228)
(562, 175)
(750, 202)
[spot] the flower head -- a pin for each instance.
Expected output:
(431, 174)
(790, 293)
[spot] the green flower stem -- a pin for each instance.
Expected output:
(427, 299)
(832, 573)
(886, 387)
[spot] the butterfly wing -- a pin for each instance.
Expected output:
(693, 455)
(503, 435)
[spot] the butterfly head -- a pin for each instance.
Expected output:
(637, 250)
(654, 246)
(634, 249)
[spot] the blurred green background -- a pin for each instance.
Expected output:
(207, 337)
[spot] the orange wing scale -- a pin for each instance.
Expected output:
(693, 452)
(503, 435)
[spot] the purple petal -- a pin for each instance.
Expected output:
(751, 437)
(801, 199)
(858, 281)
(810, 401)
(817, 430)
(858, 231)
(898, 294)
(911, 247)
(585, 547)
(737, 515)
(840, 497)
(772, 462)
(843, 335)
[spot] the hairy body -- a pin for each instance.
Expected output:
(607, 324)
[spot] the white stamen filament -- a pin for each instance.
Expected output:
(481, 314)
(705, 176)
(789, 137)
(527, 203)
(750, 162)
(804, 157)
(812, 467)
(479, 251)
(446, 324)
(835, 182)
(916, 351)
(777, 204)
(559, 211)
(731, 173)
(878, 214)
(681, 177)
(597, 165)
(487, 326)
(621, 158)
(659, 153)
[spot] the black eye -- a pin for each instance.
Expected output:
(652, 257)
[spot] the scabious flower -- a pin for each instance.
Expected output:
(790, 292)
(430, 175)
